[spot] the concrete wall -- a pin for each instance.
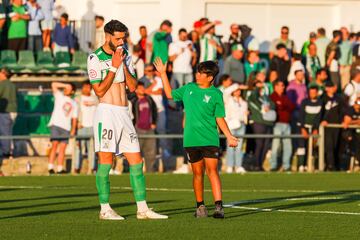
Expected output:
(264, 16)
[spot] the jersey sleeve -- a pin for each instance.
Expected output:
(219, 107)
(178, 94)
(94, 69)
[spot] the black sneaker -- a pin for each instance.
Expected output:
(51, 171)
(219, 211)
(201, 212)
(62, 172)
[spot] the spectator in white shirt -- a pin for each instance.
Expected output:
(62, 123)
(352, 89)
(137, 61)
(87, 106)
(183, 56)
(236, 116)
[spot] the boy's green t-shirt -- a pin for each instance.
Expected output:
(202, 107)
(18, 29)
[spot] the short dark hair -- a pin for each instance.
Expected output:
(223, 78)
(277, 81)
(87, 82)
(299, 70)
(318, 72)
(210, 68)
(65, 16)
(73, 86)
(115, 26)
(167, 23)
(285, 27)
(142, 26)
(313, 87)
(182, 30)
(336, 33)
(99, 17)
(321, 31)
(280, 46)
(8, 73)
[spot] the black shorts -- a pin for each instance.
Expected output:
(196, 154)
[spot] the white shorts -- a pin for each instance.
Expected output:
(114, 131)
(47, 24)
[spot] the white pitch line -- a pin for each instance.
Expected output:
(189, 190)
(291, 211)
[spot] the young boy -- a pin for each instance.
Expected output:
(62, 123)
(205, 111)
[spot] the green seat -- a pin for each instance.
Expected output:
(63, 61)
(27, 61)
(80, 60)
(8, 59)
(45, 61)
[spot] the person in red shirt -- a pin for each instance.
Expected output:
(284, 109)
(142, 42)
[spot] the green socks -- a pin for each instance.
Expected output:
(137, 181)
(103, 182)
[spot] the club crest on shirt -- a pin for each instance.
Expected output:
(206, 98)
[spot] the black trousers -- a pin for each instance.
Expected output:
(17, 44)
(331, 147)
(262, 145)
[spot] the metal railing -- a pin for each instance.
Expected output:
(310, 159)
(311, 167)
(322, 164)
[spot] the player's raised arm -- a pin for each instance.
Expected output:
(232, 141)
(161, 68)
(101, 87)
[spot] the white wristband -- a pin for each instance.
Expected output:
(113, 69)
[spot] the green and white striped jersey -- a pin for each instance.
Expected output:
(99, 63)
(208, 52)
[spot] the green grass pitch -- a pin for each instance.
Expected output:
(259, 206)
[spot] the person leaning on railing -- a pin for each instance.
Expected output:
(352, 117)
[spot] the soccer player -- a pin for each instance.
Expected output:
(111, 71)
(205, 111)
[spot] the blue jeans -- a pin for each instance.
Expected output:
(166, 154)
(234, 156)
(85, 143)
(35, 43)
(281, 129)
(182, 79)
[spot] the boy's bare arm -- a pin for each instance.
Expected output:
(161, 68)
(232, 141)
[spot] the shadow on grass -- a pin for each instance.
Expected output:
(37, 205)
(345, 197)
(61, 196)
(80, 209)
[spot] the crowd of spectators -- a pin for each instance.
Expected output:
(288, 90)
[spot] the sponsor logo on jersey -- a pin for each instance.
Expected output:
(206, 98)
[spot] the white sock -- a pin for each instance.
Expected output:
(50, 166)
(59, 168)
(105, 207)
(142, 206)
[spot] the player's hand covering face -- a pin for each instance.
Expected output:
(116, 40)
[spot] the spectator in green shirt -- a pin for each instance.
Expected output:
(17, 34)
(305, 48)
(161, 42)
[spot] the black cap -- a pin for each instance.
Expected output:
(329, 84)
